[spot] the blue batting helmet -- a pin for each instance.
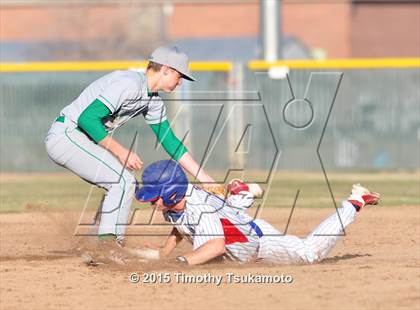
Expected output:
(163, 179)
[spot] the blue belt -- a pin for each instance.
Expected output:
(256, 228)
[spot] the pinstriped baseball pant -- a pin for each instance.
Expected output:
(286, 249)
(73, 150)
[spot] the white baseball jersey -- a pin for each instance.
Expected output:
(207, 217)
(125, 94)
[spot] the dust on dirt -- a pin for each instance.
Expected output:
(375, 266)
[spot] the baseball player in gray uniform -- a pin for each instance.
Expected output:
(217, 226)
(81, 140)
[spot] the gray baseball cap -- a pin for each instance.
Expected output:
(174, 58)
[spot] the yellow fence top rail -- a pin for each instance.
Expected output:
(101, 66)
(362, 63)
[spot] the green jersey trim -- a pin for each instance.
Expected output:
(60, 119)
(166, 137)
(90, 120)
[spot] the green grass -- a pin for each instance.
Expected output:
(315, 193)
(19, 192)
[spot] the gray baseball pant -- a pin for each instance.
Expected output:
(72, 149)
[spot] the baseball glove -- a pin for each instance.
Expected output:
(215, 189)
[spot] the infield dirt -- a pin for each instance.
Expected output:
(375, 266)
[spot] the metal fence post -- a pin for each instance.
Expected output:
(235, 123)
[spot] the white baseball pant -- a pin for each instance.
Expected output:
(286, 249)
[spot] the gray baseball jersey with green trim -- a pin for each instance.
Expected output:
(125, 94)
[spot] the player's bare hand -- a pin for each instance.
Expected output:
(131, 160)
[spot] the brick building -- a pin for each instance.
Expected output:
(126, 29)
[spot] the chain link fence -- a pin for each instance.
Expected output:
(368, 119)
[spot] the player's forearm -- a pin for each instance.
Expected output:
(179, 152)
(171, 243)
(189, 164)
(129, 159)
(211, 249)
(166, 137)
(113, 146)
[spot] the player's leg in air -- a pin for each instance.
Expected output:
(318, 244)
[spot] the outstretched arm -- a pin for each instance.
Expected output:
(189, 164)
(175, 148)
(211, 249)
(171, 243)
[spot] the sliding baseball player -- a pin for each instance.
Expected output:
(217, 226)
